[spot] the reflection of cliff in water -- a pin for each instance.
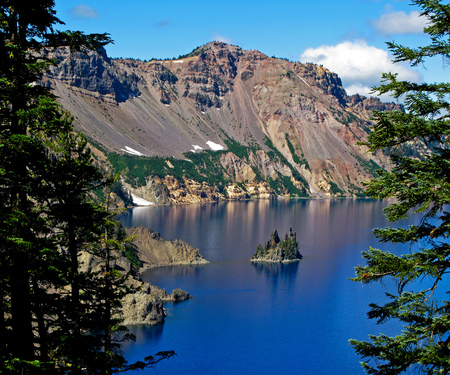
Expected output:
(145, 333)
(278, 274)
(178, 271)
(231, 231)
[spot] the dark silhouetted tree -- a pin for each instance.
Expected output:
(54, 317)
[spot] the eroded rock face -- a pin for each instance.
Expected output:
(297, 119)
(145, 306)
(142, 308)
(94, 72)
(168, 190)
(154, 251)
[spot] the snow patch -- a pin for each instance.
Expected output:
(140, 201)
(303, 80)
(179, 62)
(214, 146)
(197, 147)
(132, 151)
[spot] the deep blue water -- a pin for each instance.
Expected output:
(260, 319)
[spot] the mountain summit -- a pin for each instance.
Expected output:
(283, 127)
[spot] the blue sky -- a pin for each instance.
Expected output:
(347, 37)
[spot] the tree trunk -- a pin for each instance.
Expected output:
(22, 340)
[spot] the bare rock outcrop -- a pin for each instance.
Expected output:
(277, 250)
(142, 308)
(289, 124)
(154, 251)
(145, 305)
(94, 73)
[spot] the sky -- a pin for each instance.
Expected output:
(347, 37)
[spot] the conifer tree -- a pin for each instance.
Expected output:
(54, 318)
(27, 112)
(420, 185)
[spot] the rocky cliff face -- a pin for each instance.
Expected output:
(93, 74)
(146, 305)
(154, 251)
(240, 118)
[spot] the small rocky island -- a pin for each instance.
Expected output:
(277, 250)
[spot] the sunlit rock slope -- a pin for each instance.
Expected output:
(220, 123)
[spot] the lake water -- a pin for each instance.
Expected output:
(259, 318)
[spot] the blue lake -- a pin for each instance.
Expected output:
(248, 318)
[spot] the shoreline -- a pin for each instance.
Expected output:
(248, 200)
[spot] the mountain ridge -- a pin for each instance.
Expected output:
(258, 120)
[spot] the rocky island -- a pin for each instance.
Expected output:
(149, 249)
(277, 250)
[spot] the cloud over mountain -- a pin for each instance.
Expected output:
(358, 64)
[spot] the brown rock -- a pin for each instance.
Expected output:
(219, 93)
(154, 251)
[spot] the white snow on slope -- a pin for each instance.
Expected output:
(214, 146)
(140, 201)
(132, 151)
(303, 80)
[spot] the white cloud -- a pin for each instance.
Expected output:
(359, 65)
(84, 11)
(221, 38)
(393, 23)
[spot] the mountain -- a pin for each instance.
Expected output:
(219, 123)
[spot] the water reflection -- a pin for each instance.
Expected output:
(231, 231)
(244, 309)
(145, 333)
(277, 274)
(176, 272)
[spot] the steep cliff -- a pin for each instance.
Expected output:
(145, 306)
(220, 123)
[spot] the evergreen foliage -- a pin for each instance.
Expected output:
(420, 186)
(277, 250)
(202, 167)
(295, 156)
(276, 154)
(206, 166)
(53, 317)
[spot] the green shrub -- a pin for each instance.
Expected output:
(295, 157)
